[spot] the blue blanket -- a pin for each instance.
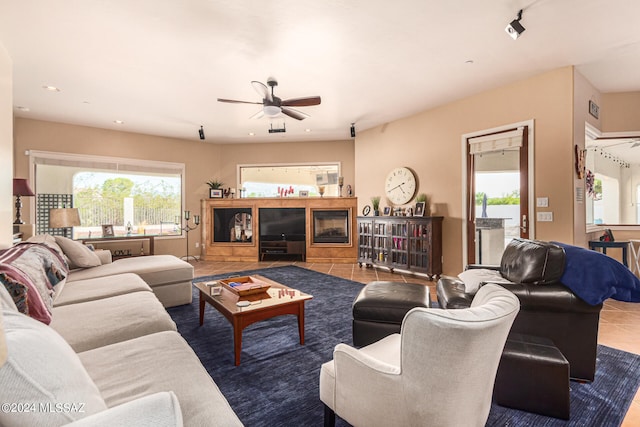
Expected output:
(594, 277)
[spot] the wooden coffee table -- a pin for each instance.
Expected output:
(278, 300)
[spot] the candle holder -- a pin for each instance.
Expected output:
(187, 228)
(340, 184)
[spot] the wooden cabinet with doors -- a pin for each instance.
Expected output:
(405, 243)
(236, 229)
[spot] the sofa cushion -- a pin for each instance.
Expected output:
(41, 369)
(154, 269)
(532, 261)
(78, 254)
(106, 321)
(156, 410)
(99, 288)
(138, 367)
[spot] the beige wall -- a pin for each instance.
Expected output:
(203, 161)
(583, 92)
(430, 144)
(6, 149)
(621, 112)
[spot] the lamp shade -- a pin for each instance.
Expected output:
(21, 187)
(64, 218)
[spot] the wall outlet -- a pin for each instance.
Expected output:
(542, 202)
(544, 216)
(197, 245)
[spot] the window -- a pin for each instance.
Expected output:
(134, 196)
(289, 180)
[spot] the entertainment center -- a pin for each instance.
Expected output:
(316, 229)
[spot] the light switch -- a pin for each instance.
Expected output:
(544, 216)
(542, 202)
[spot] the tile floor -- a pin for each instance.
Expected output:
(619, 321)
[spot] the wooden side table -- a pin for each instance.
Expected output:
(624, 245)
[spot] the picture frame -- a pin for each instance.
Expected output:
(215, 193)
(419, 210)
(107, 230)
(303, 193)
(386, 211)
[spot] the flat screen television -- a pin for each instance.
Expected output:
(282, 224)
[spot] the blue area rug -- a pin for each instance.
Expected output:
(277, 381)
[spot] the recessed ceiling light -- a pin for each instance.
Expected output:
(307, 130)
(51, 88)
(251, 134)
(118, 122)
(23, 108)
(469, 61)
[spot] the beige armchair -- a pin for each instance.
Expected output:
(439, 371)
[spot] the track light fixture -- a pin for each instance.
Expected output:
(201, 133)
(353, 130)
(515, 28)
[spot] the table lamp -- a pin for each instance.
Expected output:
(20, 188)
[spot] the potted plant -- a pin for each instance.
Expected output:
(422, 198)
(375, 201)
(215, 188)
(215, 184)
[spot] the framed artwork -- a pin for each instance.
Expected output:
(303, 193)
(386, 211)
(419, 211)
(107, 230)
(215, 193)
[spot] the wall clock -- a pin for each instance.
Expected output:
(400, 185)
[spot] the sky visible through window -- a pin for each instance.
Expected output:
(497, 184)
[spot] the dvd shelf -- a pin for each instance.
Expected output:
(404, 243)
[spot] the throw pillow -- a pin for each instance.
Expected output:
(475, 277)
(47, 240)
(79, 255)
(43, 375)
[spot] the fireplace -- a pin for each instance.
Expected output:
(331, 226)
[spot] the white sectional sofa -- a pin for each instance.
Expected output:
(102, 352)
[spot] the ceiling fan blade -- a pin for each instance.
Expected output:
(302, 102)
(233, 101)
(257, 115)
(262, 90)
(298, 115)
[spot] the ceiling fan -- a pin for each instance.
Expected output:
(272, 105)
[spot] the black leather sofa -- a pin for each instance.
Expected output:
(548, 309)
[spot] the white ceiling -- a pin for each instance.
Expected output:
(159, 65)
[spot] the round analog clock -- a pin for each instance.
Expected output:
(400, 185)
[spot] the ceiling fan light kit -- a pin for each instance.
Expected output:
(271, 110)
(273, 106)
